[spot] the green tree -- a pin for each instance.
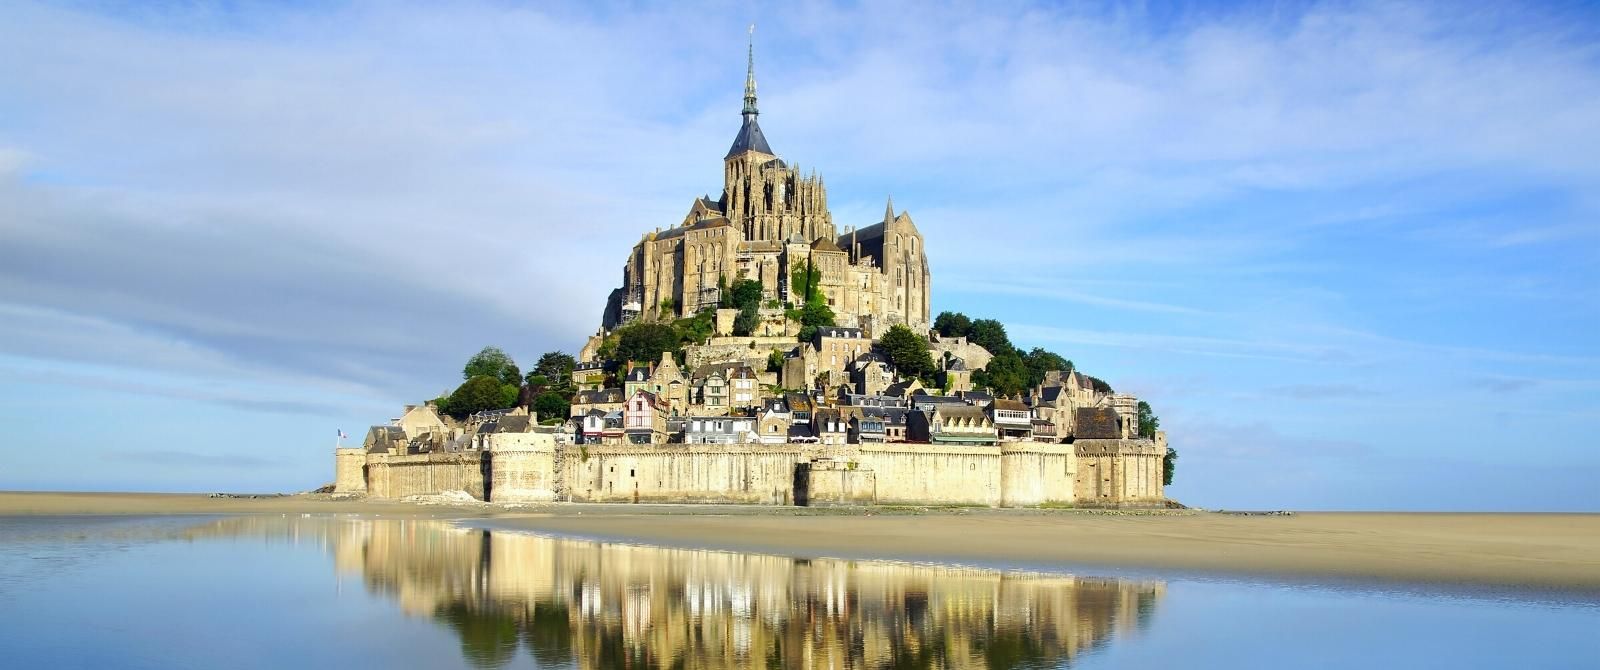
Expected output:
(644, 341)
(1169, 465)
(556, 367)
(492, 362)
(552, 404)
(695, 329)
(1006, 374)
(908, 352)
(1148, 421)
(479, 393)
(952, 324)
(746, 321)
(775, 361)
(813, 315)
(745, 293)
(745, 296)
(1040, 361)
(991, 335)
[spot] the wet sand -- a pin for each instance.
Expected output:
(1558, 552)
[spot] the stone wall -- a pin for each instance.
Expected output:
(698, 473)
(522, 467)
(531, 467)
(752, 351)
(930, 474)
(349, 470)
(1115, 472)
(390, 476)
(1036, 473)
(840, 483)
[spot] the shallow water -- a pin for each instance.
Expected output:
(304, 591)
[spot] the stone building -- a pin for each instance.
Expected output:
(771, 221)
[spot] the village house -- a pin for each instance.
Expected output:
(744, 388)
(773, 422)
(871, 373)
(710, 392)
(637, 379)
(800, 407)
(862, 400)
(928, 403)
(952, 424)
(837, 349)
(602, 427)
(645, 419)
(1012, 419)
(604, 400)
(829, 426)
(719, 430)
(589, 376)
(957, 376)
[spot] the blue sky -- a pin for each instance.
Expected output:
(1349, 251)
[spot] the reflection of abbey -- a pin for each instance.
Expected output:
(743, 408)
(770, 221)
(584, 604)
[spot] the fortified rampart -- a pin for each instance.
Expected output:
(519, 468)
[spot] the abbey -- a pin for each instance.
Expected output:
(770, 222)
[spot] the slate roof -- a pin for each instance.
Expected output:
(379, 438)
(838, 331)
(892, 416)
(705, 224)
(731, 425)
(1006, 404)
(506, 424)
(760, 246)
(923, 401)
(1097, 423)
(750, 138)
(824, 244)
(798, 402)
(599, 396)
(961, 412)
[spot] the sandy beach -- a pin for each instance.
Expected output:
(1540, 551)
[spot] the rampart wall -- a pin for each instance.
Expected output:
(701, 473)
(391, 476)
(532, 468)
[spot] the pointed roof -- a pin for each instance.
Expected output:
(750, 137)
(888, 212)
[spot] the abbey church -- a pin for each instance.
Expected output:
(771, 221)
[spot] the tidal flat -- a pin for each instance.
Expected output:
(1554, 553)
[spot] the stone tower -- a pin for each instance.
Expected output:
(770, 222)
(763, 197)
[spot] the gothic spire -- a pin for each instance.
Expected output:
(888, 212)
(750, 77)
(750, 137)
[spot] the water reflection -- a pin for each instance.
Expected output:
(576, 603)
